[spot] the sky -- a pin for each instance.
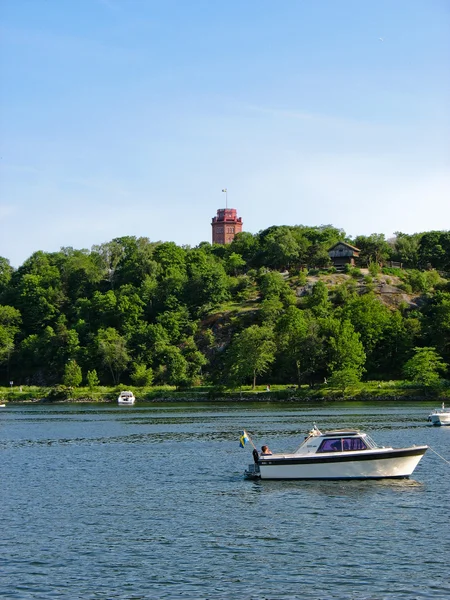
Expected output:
(129, 117)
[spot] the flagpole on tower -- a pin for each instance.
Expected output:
(226, 197)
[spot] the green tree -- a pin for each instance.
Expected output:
(207, 284)
(92, 379)
(6, 272)
(436, 323)
(373, 248)
(270, 310)
(176, 367)
(272, 285)
(281, 248)
(195, 359)
(113, 352)
(142, 375)
(292, 330)
(345, 350)
(318, 301)
(72, 374)
(344, 377)
(234, 263)
(246, 245)
(371, 319)
(424, 367)
(10, 320)
(406, 249)
(434, 250)
(251, 353)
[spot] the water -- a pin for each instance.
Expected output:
(149, 502)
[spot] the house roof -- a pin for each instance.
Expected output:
(344, 244)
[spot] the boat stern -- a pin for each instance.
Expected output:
(253, 471)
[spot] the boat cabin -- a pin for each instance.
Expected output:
(336, 441)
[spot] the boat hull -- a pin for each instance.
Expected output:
(392, 463)
(440, 419)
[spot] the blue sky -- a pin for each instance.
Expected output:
(128, 117)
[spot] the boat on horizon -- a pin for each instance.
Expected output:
(440, 416)
(338, 454)
(126, 398)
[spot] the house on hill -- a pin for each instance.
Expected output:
(342, 254)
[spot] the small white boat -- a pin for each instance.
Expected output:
(2, 405)
(440, 416)
(346, 454)
(126, 399)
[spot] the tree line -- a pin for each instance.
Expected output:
(135, 311)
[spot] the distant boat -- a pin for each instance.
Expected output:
(440, 416)
(126, 399)
(2, 405)
(343, 454)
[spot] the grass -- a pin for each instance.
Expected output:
(370, 390)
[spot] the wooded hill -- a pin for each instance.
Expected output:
(269, 304)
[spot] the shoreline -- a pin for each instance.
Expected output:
(245, 398)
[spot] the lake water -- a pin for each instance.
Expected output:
(149, 502)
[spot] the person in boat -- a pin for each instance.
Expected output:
(265, 451)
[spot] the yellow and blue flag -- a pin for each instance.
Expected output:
(243, 439)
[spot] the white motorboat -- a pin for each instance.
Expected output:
(440, 416)
(126, 399)
(346, 454)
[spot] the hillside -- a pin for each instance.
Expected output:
(135, 312)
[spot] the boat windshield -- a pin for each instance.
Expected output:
(344, 444)
(369, 441)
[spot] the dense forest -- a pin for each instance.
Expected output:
(269, 305)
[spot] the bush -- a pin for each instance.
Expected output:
(92, 380)
(355, 273)
(142, 376)
(374, 268)
(72, 374)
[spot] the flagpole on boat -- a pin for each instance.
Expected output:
(245, 434)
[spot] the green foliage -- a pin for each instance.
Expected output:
(406, 250)
(142, 376)
(318, 302)
(344, 348)
(434, 250)
(113, 352)
(424, 367)
(302, 277)
(344, 378)
(422, 281)
(395, 271)
(270, 310)
(72, 374)
(353, 272)
(92, 379)
(374, 268)
(251, 353)
(6, 272)
(373, 249)
(130, 306)
(176, 367)
(10, 320)
(234, 263)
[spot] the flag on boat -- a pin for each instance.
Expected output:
(243, 439)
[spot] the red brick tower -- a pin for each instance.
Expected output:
(225, 226)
